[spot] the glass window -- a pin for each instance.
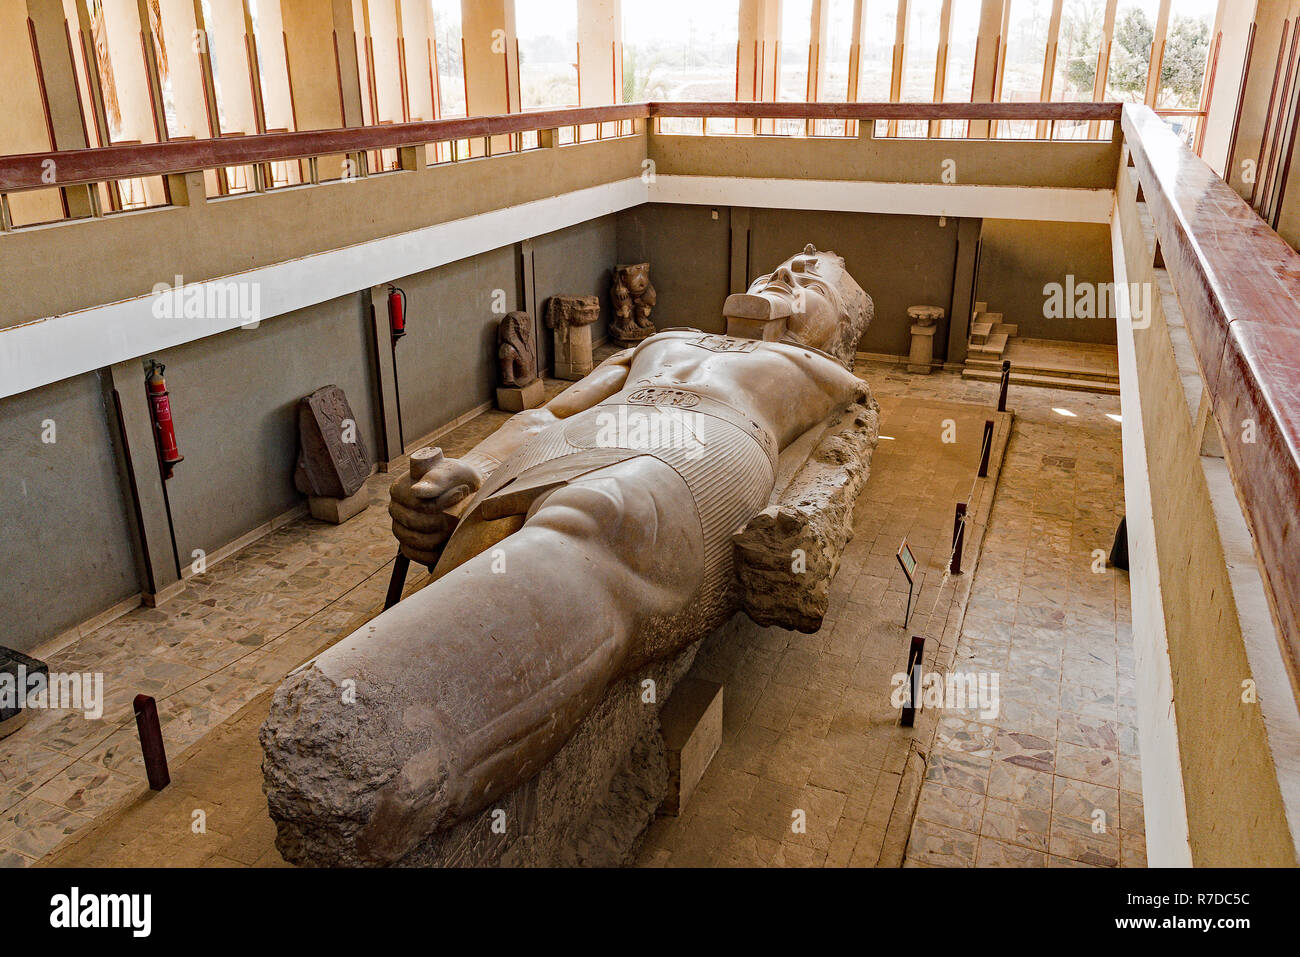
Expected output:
(548, 53)
(959, 79)
(796, 23)
(679, 50)
(1130, 51)
(879, 30)
(450, 55)
(1077, 50)
(1026, 59)
(1187, 52)
(921, 50)
(834, 87)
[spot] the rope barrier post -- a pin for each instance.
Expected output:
(986, 449)
(151, 742)
(395, 584)
(958, 538)
(908, 717)
(1006, 383)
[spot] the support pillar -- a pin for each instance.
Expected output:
(491, 63)
(989, 50)
(62, 110)
(757, 66)
(600, 56)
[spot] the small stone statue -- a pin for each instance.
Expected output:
(570, 318)
(633, 298)
(516, 350)
(517, 354)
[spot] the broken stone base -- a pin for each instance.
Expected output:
(787, 555)
(19, 670)
(588, 806)
(336, 511)
(692, 732)
(517, 399)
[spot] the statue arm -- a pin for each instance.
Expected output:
(426, 508)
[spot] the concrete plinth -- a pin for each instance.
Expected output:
(336, 511)
(573, 352)
(924, 325)
(921, 358)
(692, 730)
(517, 399)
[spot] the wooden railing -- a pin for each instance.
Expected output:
(1238, 284)
(78, 167)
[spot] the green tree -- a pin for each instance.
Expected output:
(1130, 57)
(1183, 72)
(641, 81)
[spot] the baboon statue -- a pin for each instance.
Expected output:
(633, 299)
(517, 350)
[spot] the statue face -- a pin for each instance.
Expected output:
(636, 278)
(813, 305)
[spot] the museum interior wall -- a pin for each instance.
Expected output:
(233, 394)
(237, 395)
(68, 551)
(1019, 259)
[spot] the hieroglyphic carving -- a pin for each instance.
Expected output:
(332, 461)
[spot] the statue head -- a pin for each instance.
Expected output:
(636, 278)
(804, 291)
(515, 342)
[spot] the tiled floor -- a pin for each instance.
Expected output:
(1049, 356)
(1054, 778)
(810, 737)
(229, 636)
(808, 723)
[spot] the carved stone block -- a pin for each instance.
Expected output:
(333, 461)
(570, 319)
(634, 299)
(787, 555)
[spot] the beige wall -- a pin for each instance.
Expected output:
(22, 115)
(1234, 807)
(1019, 259)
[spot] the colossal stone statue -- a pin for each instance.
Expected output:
(599, 538)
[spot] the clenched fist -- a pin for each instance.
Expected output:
(420, 500)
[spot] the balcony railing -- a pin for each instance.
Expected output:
(511, 132)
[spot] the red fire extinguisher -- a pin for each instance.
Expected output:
(396, 312)
(160, 407)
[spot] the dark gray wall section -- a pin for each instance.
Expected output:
(446, 362)
(68, 551)
(234, 398)
(577, 261)
(1018, 259)
(689, 255)
(900, 261)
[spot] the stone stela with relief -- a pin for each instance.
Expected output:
(332, 462)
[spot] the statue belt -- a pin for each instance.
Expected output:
(724, 457)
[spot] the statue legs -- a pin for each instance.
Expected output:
(467, 688)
